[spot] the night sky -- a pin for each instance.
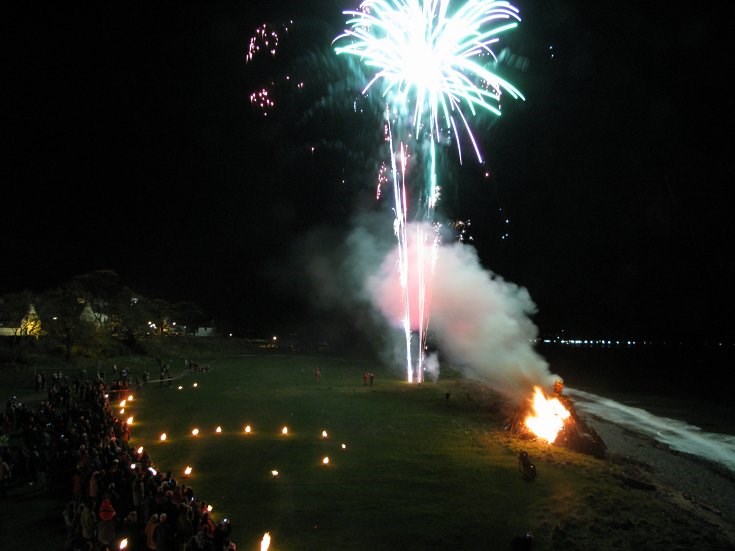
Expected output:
(131, 144)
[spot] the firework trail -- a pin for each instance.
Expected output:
(434, 65)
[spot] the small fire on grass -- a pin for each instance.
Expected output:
(265, 542)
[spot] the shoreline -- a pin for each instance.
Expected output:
(704, 488)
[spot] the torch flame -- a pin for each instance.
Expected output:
(266, 542)
(548, 417)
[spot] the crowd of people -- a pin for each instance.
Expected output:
(74, 446)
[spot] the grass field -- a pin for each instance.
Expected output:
(413, 473)
(418, 471)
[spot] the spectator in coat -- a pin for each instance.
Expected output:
(88, 522)
(150, 532)
(164, 534)
(107, 521)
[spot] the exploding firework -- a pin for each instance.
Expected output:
(435, 67)
(264, 44)
(266, 39)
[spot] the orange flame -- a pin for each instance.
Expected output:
(548, 416)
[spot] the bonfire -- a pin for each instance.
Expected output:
(552, 418)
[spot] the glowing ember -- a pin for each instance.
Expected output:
(284, 430)
(548, 417)
(195, 432)
(180, 387)
(218, 429)
(324, 434)
(247, 429)
(130, 420)
(344, 446)
(266, 542)
(187, 471)
(195, 385)
(209, 508)
(325, 461)
(274, 473)
(140, 450)
(163, 436)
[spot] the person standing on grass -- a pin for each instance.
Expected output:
(164, 534)
(107, 521)
(318, 373)
(4, 476)
(88, 522)
(150, 532)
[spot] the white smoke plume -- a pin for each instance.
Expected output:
(481, 322)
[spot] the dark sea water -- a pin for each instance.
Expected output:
(688, 383)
